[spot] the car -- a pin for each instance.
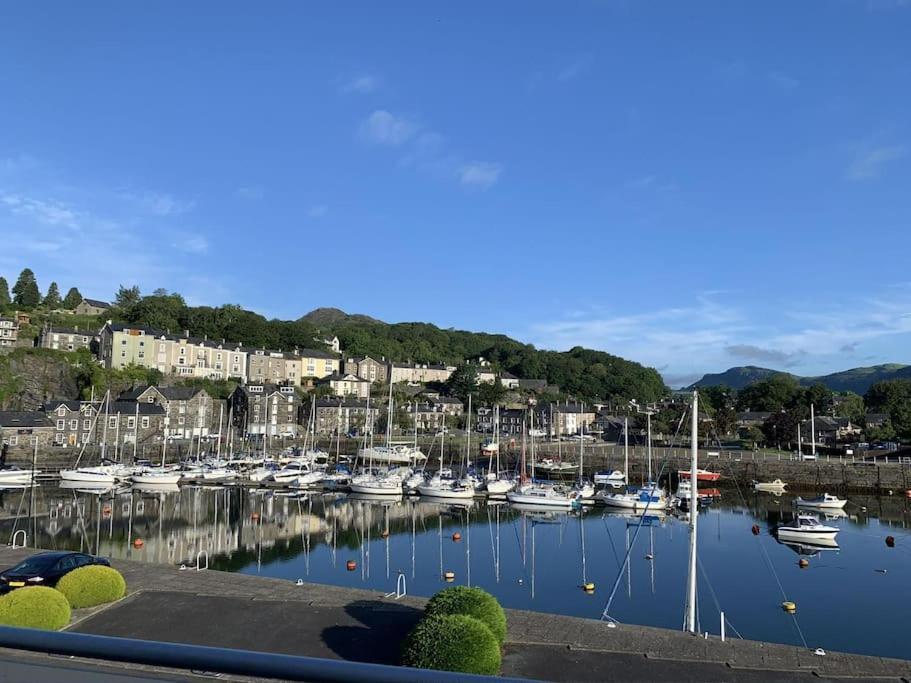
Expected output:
(46, 569)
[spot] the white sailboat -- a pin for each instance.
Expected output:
(536, 494)
(441, 486)
(372, 483)
(101, 475)
(583, 489)
(647, 498)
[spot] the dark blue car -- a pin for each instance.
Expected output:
(45, 569)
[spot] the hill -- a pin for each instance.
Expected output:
(857, 380)
(325, 317)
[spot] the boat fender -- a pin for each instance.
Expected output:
(351, 565)
(890, 541)
(803, 563)
(789, 607)
(457, 537)
(138, 543)
(755, 529)
(449, 576)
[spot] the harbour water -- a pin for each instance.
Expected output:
(851, 598)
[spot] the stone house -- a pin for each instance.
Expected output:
(344, 416)
(419, 373)
(429, 417)
(347, 385)
(92, 307)
(132, 423)
(275, 367)
(188, 411)
(509, 380)
(752, 418)
(66, 339)
(9, 331)
(565, 419)
(25, 429)
(74, 422)
(831, 430)
(265, 410)
(368, 368)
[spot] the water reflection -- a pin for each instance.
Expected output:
(564, 562)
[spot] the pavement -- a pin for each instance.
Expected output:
(271, 615)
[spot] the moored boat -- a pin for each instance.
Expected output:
(826, 500)
(806, 526)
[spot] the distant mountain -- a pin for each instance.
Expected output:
(857, 380)
(335, 316)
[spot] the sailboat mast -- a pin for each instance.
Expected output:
(468, 440)
(813, 430)
(626, 450)
(648, 446)
(694, 514)
(581, 442)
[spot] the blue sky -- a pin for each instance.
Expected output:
(690, 185)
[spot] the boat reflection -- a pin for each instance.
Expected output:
(808, 549)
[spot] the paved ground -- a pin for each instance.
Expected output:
(255, 613)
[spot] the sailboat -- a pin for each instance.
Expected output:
(583, 489)
(649, 497)
(498, 483)
(441, 486)
(102, 475)
(370, 482)
(537, 494)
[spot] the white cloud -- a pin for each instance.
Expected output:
(48, 212)
(868, 162)
(362, 85)
(480, 174)
(250, 192)
(382, 128)
(317, 211)
(194, 244)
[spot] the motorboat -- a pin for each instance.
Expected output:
(555, 466)
(609, 477)
(411, 483)
(825, 501)
(101, 476)
(377, 485)
(16, 475)
(583, 490)
(500, 486)
(312, 478)
(774, 486)
(444, 487)
(156, 476)
(806, 526)
(219, 474)
(261, 474)
(541, 495)
(649, 497)
(401, 454)
(290, 472)
(701, 475)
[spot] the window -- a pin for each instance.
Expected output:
(85, 437)
(218, 356)
(58, 438)
(180, 420)
(123, 342)
(131, 423)
(12, 440)
(145, 422)
(86, 424)
(151, 399)
(183, 351)
(61, 425)
(61, 411)
(112, 423)
(123, 354)
(74, 424)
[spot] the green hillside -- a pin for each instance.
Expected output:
(856, 380)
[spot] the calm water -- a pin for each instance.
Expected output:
(854, 598)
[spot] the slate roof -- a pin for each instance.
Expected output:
(24, 419)
(96, 303)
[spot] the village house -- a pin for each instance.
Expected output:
(509, 380)
(429, 417)
(875, 420)
(565, 419)
(265, 410)
(316, 363)
(91, 307)
(132, 423)
(65, 339)
(448, 404)
(419, 373)
(275, 367)
(189, 412)
(9, 331)
(347, 385)
(367, 368)
(343, 416)
(74, 422)
(25, 429)
(752, 418)
(831, 430)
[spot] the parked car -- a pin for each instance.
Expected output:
(46, 569)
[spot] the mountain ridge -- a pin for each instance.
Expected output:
(857, 380)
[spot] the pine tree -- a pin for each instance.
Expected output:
(25, 292)
(72, 299)
(52, 298)
(4, 292)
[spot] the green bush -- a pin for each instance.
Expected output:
(35, 607)
(452, 642)
(93, 585)
(473, 602)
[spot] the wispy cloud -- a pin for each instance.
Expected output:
(382, 128)
(250, 192)
(192, 244)
(868, 162)
(46, 211)
(317, 211)
(480, 174)
(751, 352)
(361, 85)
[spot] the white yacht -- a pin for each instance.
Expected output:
(806, 526)
(541, 495)
(825, 501)
(15, 475)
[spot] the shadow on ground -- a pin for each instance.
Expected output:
(378, 640)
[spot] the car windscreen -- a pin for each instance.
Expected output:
(34, 564)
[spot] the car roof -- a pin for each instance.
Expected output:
(53, 555)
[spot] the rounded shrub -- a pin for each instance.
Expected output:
(93, 585)
(452, 642)
(473, 602)
(35, 607)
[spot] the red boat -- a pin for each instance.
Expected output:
(701, 475)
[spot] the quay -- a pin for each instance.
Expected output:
(212, 608)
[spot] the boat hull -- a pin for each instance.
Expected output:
(449, 494)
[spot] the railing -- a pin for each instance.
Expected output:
(205, 555)
(401, 590)
(13, 544)
(219, 660)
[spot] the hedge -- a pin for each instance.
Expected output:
(35, 607)
(92, 585)
(452, 642)
(472, 602)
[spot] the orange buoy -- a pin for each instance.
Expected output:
(255, 516)
(755, 529)
(449, 576)
(803, 563)
(351, 565)
(457, 537)
(890, 541)
(138, 543)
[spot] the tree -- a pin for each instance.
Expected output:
(25, 292)
(772, 394)
(491, 393)
(4, 292)
(52, 298)
(892, 397)
(127, 297)
(463, 381)
(851, 406)
(781, 428)
(72, 299)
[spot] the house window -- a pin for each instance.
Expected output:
(61, 411)
(123, 354)
(218, 356)
(112, 423)
(183, 351)
(180, 420)
(58, 438)
(145, 422)
(74, 424)
(131, 423)
(85, 437)
(61, 425)
(151, 399)
(12, 440)
(86, 424)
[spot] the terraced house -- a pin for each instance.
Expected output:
(265, 410)
(274, 367)
(343, 416)
(188, 412)
(65, 339)
(74, 422)
(367, 368)
(9, 331)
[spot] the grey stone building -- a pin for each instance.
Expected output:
(25, 429)
(92, 307)
(9, 331)
(189, 411)
(343, 416)
(265, 410)
(66, 339)
(367, 368)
